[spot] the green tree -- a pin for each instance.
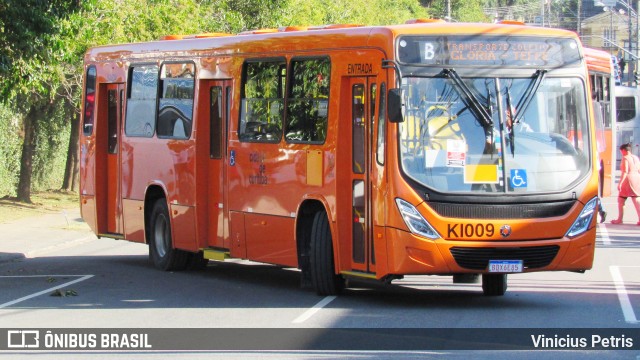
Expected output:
(42, 44)
(10, 146)
(461, 10)
(377, 12)
(28, 73)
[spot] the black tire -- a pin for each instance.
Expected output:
(161, 250)
(494, 284)
(323, 277)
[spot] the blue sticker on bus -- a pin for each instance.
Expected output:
(518, 178)
(232, 158)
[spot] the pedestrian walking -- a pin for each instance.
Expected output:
(629, 185)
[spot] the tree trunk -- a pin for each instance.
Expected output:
(69, 182)
(28, 150)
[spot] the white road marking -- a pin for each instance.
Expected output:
(309, 313)
(83, 278)
(604, 234)
(623, 296)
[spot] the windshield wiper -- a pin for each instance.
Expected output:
(522, 106)
(531, 90)
(469, 99)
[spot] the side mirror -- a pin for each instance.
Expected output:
(395, 108)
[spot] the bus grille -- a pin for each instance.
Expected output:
(478, 258)
(502, 211)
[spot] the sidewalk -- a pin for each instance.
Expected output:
(32, 236)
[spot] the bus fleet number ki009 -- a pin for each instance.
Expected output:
(470, 230)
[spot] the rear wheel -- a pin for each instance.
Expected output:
(323, 277)
(494, 284)
(161, 250)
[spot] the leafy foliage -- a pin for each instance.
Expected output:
(461, 10)
(380, 12)
(9, 149)
(30, 44)
(42, 44)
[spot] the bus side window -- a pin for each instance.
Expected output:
(141, 102)
(308, 101)
(176, 101)
(262, 101)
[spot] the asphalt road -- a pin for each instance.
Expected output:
(107, 283)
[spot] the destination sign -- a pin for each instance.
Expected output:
(479, 50)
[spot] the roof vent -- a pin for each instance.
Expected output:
(335, 26)
(293, 28)
(210, 35)
(258, 31)
(510, 22)
(172, 37)
(424, 21)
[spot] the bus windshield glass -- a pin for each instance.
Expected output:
(488, 135)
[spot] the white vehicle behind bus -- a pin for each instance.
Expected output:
(628, 119)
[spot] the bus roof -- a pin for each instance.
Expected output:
(598, 60)
(329, 36)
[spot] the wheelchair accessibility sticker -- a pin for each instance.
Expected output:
(518, 178)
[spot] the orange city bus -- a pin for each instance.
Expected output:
(347, 151)
(602, 82)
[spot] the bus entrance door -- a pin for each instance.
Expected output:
(219, 95)
(363, 92)
(115, 93)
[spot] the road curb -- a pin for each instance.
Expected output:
(8, 257)
(60, 246)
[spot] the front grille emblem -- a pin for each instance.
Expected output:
(505, 230)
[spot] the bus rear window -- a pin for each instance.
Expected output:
(626, 108)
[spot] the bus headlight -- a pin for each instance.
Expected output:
(584, 219)
(416, 222)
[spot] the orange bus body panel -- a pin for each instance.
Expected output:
(272, 243)
(133, 211)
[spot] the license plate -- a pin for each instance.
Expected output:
(505, 266)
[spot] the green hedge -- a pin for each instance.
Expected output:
(50, 155)
(10, 150)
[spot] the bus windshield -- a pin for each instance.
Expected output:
(489, 134)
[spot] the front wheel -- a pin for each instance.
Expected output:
(494, 284)
(323, 277)
(161, 250)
